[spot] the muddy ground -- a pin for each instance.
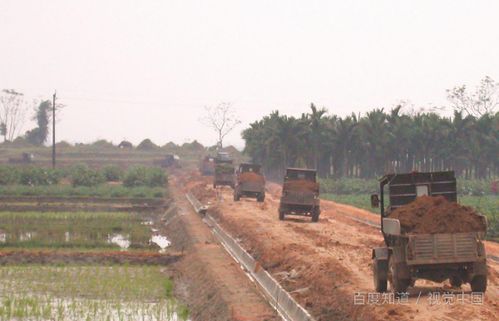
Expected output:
(327, 265)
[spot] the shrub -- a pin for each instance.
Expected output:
(156, 177)
(144, 176)
(112, 173)
(82, 175)
(35, 176)
(8, 175)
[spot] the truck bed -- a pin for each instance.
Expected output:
(443, 248)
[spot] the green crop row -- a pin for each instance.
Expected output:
(105, 191)
(82, 175)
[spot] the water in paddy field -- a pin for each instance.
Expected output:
(32, 307)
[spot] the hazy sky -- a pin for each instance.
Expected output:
(137, 69)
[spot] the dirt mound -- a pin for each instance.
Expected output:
(430, 215)
(203, 193)
(301, 185)
(251, 177)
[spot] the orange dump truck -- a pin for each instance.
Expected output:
(249, 182)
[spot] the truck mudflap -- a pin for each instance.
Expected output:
(444, 248)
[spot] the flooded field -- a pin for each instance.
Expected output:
(79, 230)
(85, 266)
(33, 292)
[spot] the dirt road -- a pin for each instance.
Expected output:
(327, 265)
(219, 288)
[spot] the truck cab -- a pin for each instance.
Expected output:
(300, 194)
(406, 257)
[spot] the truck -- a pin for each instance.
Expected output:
(224, 170)
(249, 182)
(406, 257)
(207, 166)
(300, 194)
(169, 160)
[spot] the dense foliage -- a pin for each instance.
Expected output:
(376, 143)
(144, 176)
(82, 176)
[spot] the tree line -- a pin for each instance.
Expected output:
(376, 143)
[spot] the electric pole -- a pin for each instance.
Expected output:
(53, 130)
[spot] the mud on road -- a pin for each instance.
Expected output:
(324, 265)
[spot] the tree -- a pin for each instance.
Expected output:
(222, 119)
(483, 101)
(38, 136)
(12, 113)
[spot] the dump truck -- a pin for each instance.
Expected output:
(300, 194)
(169, 160)
(224, 170)
(207, 166)
(408, 256)
(249, 182)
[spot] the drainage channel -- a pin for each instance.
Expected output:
(378, 226)
(277, 297)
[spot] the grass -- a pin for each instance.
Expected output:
(106, 191)
(87, 293)
(71, 229)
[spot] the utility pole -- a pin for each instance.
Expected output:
(53, 130)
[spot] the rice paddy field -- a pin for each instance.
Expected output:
(73, 230)
(87, 293)
(92, 282)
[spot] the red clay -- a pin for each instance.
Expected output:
(300, 185)
(431, 215)
(251, 177)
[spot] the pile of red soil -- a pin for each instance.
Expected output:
(251, 177)
(431, 215)
(301, 185)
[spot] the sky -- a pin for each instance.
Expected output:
(146, 69)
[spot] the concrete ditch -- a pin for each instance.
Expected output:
(279, 298)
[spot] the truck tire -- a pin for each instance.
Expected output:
(397, 284)
(456, 281)
(260, 198)
(214, 185)
(315, 215)
(380, 283)
(237, 197)
(281, 214)
(479, 283)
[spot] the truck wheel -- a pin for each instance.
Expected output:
(214, 185)
(479, 283)
(281, 214)
(456, 282)
(397, 285)
(237, 197)
(260, 198)
(380, 283)
(315, 215)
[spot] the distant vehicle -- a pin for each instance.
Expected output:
(224, 170)
(300, 194)
(207, 166)
(26, 158)
(249, 182)
(169, 160)
(459, 257)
